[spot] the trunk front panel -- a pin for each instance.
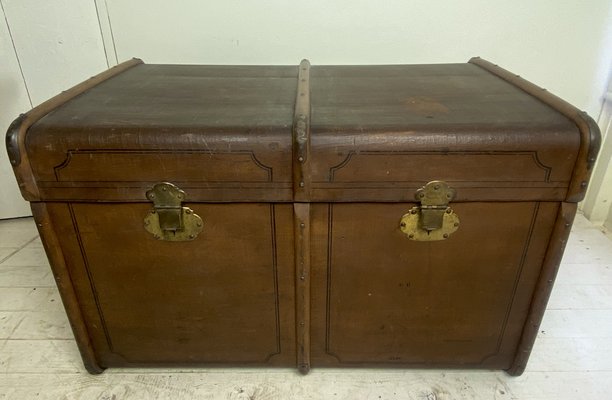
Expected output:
(225, 297)
(379, 298)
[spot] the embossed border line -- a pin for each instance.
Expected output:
(352, 153)
(503, 322)
(70, 153)
(96, 296)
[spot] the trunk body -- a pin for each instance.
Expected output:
(410, 216)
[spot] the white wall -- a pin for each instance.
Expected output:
(597, 205)
(13, 100)
(563, 45)
(46, 47)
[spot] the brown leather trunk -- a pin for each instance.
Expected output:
(403, 216)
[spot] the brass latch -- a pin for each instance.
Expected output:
(434, 219)
(168, 220)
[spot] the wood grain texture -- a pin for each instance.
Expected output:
(301, 175)
(380, 299)
(303, 251)
(64, 283)
(550, 266)
(17, 132)
(231, 288)
(590, 135)
(34, 365)
(372, 128)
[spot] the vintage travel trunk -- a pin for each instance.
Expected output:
(325, 216)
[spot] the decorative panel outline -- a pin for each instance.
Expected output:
(503, 324)
(106, 331)
(70, 153)
(352, 153)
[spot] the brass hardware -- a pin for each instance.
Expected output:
(168, 220)
(433, 219)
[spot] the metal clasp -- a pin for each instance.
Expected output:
(168, 220)
(433, 219)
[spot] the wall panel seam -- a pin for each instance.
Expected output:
(8, 27)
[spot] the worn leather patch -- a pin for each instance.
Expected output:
(425, 106)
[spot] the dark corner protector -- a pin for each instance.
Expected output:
(577, 197)
(12, 140)
(304, 369)
(590, 136)
(594, 138)
(134, 62)
(516, 370)
(93, 368)
(483, 63)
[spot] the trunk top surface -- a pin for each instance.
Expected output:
(436, 98)
(377, 133)
(405, 98)
(183, 98)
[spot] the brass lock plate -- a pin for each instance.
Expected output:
(410, 224)
(169, 220)
(433, 219)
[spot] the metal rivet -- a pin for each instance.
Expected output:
(436, 187)
(191, 236)
(163, 188)
(413, 211)
(188, 211)
(448, 211)
(152, 211)
(421, 195)
(301, 159)
(302, 324)
(583, 184)
(151, 195)
(403, 224)
(411, 235)
(567, 224)
(456, 223)
(301, 184)
(198, 223)
(302, 225)
(445, 235)
(302, 277)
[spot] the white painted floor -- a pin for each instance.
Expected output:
(572, 358)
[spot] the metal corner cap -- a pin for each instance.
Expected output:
(12, 140)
